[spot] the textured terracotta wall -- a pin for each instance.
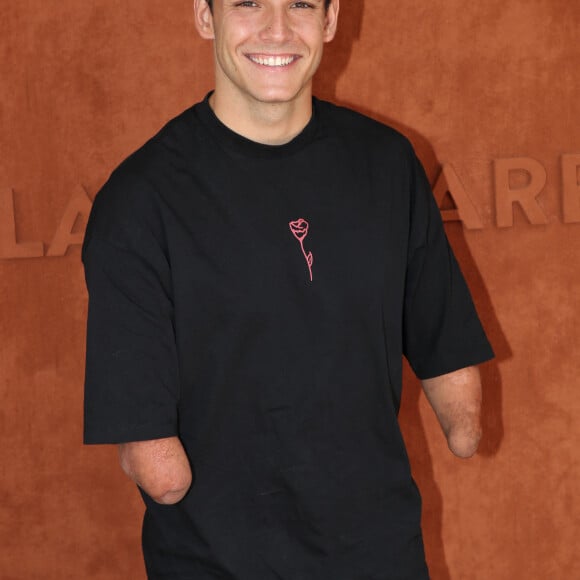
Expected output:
(488, 92)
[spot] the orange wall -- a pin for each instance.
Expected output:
(82, 84)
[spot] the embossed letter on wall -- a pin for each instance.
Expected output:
(78, 206)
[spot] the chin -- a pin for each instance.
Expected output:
(277, 99)
(279, 96)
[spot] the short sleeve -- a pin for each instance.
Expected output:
(131, 376)
(442, 332)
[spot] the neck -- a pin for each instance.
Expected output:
(267, 123)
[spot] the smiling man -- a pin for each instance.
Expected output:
(266, 54)
(256, 273)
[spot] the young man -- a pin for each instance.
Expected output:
(256, 272)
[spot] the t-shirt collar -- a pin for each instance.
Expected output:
(236, 143)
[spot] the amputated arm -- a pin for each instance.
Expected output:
(160, 467)
(456, 400)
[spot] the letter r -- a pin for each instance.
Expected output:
(525, 196)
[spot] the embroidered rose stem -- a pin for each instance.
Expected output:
(299, 229)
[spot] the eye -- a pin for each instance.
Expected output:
(247, 3)
(303, 5)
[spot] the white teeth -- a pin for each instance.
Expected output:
(272, 60)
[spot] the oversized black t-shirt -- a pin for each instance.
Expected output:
(257, 301)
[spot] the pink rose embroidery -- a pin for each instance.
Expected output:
(299, 228)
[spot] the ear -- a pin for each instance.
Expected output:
(331, 21)
(203, 19)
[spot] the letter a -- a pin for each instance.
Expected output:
(79, 204)
(464, 211)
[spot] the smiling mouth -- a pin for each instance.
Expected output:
(274, 61)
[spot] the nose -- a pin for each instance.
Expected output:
(277, 26)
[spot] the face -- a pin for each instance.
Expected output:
(266, 51)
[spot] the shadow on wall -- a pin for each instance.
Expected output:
(338, 52)
(336, 59)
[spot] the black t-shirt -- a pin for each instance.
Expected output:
(256, 301)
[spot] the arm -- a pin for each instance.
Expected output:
(160, 467)
(456, 400)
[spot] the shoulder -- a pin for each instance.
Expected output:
(165, 150)
(130, 198)
(362, 130)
